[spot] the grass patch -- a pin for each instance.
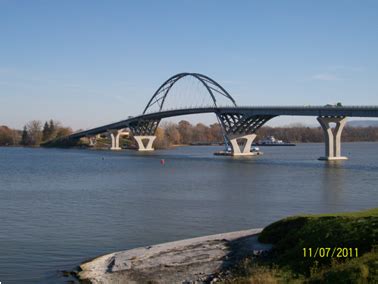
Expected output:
(358, 270)
(286, 263)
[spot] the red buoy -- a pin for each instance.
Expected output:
(162, 161)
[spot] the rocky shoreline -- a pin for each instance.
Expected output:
(197, 260)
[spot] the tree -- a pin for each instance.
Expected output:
(200, 133)
(7, 136)
(185, 129)
(46, 132)
(62, 131)
(216, 133)
(34, 129)
(53, 126)
(50, 130)
(160, 141)
(172, 134)
(25, 139)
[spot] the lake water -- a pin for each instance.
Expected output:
(60, 207)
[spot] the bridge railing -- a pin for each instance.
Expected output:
(310, 106)
(273, 107)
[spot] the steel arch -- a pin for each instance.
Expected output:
(210, 85)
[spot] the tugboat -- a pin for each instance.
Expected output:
(255, 151)
(271, 141)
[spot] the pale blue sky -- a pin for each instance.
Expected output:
(88, 63)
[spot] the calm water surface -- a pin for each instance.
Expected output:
(60, 207)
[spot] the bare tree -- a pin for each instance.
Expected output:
(161, 142)
(62, 131)
(34, 129)
(8, 136)
(216, 133)
(200, 133)
(186, 131)
(172, 133)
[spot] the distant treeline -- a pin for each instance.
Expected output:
(302, 134)
(35, 133)
(186, 133)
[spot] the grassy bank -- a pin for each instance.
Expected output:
(286, 263)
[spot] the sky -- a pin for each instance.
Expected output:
(89, 63)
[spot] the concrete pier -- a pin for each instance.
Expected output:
(115, 134)
(332, 137)
(92, 140)
(241, 145)
(142, 145)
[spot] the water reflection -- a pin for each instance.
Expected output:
(333, 182)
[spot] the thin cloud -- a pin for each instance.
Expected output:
(325, 77)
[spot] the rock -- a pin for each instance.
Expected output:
(195, 260)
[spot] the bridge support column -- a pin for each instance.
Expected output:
(241, 145)
(332, 138)
(92, 140)
(142, 146)
(114, 135)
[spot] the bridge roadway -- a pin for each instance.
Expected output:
(317, 111)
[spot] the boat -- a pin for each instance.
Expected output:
(272, 141)
(255, 151)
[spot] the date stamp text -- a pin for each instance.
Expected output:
(338, 252)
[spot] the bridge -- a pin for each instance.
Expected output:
(238, 123)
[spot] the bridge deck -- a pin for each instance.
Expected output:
(340, 111)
